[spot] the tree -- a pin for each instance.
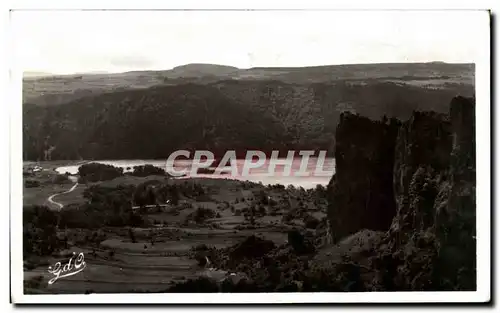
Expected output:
(174, 194)
(263, 197)
(311, 222)
(147, 170)
(384, 119)
(262, 210)
(131, 235)
(252, 215)
(39, 231)
(151, 197)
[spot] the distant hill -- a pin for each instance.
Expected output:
(266, 115)
(53, 90)
(196, 69)
(36, 74)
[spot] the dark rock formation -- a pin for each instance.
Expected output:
(432, 238)
(456, 221)
(430, 244)
(422, 154)
(420, 173)
(362, 192)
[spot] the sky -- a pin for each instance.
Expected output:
(65, 42)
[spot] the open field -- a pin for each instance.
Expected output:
(39, 195)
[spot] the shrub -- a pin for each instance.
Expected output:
(147, 170)
(31, 183)
(311, 222)
(34, 282)
(131, 235)
(251, 247)
(81, 217)
(60, 179)
(200, 247)
(299, 243)
(201, 214)
(262, 211)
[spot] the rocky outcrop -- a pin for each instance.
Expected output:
(361, 194)
(422, 157)
(408, 255)
(456, 221)
(430, 244)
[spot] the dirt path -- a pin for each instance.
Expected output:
(60, 205)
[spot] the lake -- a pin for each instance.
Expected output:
(314, 173)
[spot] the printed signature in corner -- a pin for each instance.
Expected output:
(69, 269)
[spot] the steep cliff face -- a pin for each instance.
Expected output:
(362, 193)
(422, 156)
(430, 243)
(408, 256)
(456, 221)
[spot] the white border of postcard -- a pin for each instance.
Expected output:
(483, 173)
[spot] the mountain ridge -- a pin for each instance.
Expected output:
(59, 89)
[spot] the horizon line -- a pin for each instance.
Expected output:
(99, 72)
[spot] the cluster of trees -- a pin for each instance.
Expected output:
(345, 277)
(264, 267)
(311, 222)
(94, 172)
(39, 231)
(40, 224)
(147, 170)
(31, 183)
(107, 206)
(112, 206)
(263, 198)
(150, 123)
(200, 215)
(157, 192)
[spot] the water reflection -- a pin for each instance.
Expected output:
(314, 174)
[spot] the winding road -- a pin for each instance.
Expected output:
(60, 205)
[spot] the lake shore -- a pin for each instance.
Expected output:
(258, 175)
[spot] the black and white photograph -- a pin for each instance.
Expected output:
(244, 153)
